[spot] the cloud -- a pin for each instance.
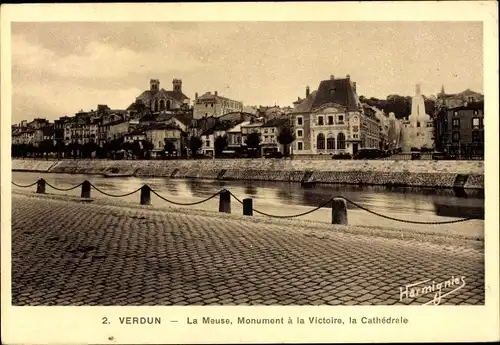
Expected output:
(59, 68)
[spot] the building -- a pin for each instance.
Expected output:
(269, 132)
(208, 137)
(331, 120)
(157, 99)
(160, 134)
(247, 128)
(214, 105)
(418, 129)
(460, 130)
(137, 134)
(117, 129)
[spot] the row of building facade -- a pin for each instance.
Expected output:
(328, 121)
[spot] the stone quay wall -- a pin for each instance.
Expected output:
(440, 174)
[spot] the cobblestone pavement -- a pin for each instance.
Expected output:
(69, 253)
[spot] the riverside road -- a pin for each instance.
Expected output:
(65, 252)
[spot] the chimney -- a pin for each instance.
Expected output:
(332, 77)
(307, 91)
(348, 77)
(196, 95)
(215, 93)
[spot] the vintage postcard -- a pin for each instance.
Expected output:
(249, 172)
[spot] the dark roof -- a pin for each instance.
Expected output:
(236, 115)
(470, 106)
(221, 126)
(179, 96)
(305, 104)
(147, 117)
(161, 126)
(339, 91)
(277, 122)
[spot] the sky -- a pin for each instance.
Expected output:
(60, 68)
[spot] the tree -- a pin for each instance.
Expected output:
(168, 147)
(285, 138)
(219, 145)
(147, 146)
(253, 143)
(194, 145)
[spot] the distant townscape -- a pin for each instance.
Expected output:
(329, 122)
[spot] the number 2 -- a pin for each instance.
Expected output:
(105, 321)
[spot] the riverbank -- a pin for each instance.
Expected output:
(435, 174)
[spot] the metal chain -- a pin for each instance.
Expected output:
(256, 211)
(21, 186)
(290, 216)
(63, 189)
(406, 221)
(189, 203)
(114, 195)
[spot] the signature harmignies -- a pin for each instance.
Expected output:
(426, 287)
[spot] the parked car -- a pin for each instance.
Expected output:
(369, 154)
(274, 155)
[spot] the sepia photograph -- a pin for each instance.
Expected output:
(247, 163)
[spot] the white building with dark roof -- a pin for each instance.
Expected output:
(211, 104)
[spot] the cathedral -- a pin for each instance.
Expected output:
(418, 129)
(159, 100)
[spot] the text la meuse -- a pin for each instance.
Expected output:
(209, 320)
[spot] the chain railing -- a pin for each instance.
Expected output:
(338, 203)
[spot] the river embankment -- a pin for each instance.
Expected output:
(436, 174)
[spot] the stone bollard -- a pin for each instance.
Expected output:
(339, 211)
(40, 186)
(146, 195)
(225, 201)
(86, 189)
(247, 207)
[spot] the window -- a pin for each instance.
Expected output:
(300, 133)
(272, 130)
(320, 141)
(475, 112)
(265, 130)
(330, 120)
(418, 124)
(456, 123)
(470, 99)
(299, 121)
(475, 122)
(355, 129)
(355, 136)
(341, 119)
(300, 146)
(320, 121)
(330, 143)
(455, 137)
(265, 138)
(455, 113)
(207, 143)
(480, 122)
(341, 141)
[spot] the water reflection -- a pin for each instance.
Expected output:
(385, 200)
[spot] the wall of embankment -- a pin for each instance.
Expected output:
(443, 174)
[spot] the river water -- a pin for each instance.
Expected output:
(283, 198)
